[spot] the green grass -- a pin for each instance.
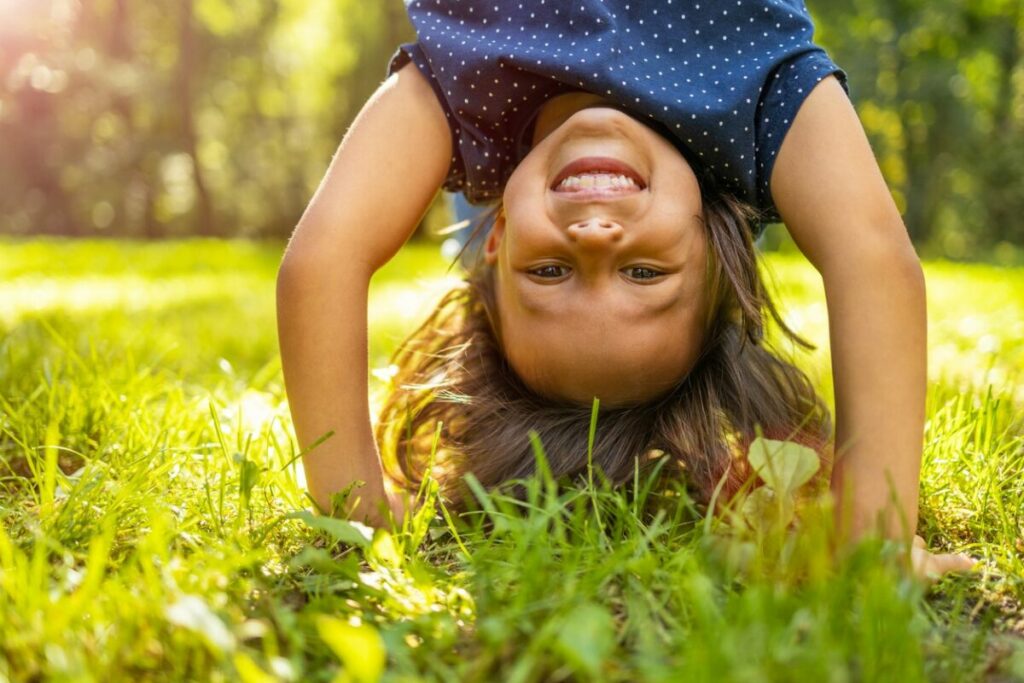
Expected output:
(151, 523)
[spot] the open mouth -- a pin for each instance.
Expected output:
(598, 177)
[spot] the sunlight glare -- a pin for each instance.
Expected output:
(408, 303)
(9, 8)
(255, 410)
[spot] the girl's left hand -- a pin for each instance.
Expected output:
(931, 567)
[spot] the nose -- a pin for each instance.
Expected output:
(595, 232)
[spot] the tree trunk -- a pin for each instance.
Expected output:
(120, 50)
(204, 212)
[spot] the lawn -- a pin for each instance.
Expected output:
(154, 525)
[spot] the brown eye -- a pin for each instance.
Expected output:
(550, 272)
(642, 273)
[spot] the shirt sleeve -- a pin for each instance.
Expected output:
(785, 90)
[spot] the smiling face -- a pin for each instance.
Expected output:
(601, 260)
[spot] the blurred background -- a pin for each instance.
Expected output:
(175, 118)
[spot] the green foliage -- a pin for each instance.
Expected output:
(153, 524)
(359, 648)
(783, 465)
(939, 88)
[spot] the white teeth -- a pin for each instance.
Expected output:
(599, 180)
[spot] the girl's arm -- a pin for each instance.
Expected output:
(383, 177)
(831, 194)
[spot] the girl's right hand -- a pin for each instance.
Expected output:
(930, 566)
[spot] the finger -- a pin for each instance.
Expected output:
(953, 562)
(919, 542)
(932, 567)
(921, 562)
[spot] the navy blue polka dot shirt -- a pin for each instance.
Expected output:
(724, 77)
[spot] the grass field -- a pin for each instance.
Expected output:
(152, 522)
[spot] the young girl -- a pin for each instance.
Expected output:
(625, 141)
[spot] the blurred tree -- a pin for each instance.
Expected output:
(187, 111)
(170, 118)
(939, 86)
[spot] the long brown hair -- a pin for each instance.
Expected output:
(452, 371)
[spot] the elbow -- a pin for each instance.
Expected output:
(303, 269)
(895, 262)
(290, 275)
(299, 261)
(880, 252)
(912, 273)
(313, 261)
(894, 271)
(291, 285)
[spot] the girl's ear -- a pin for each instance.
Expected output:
(494, 238)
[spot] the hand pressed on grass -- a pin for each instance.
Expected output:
(770, 511)
(931, 566)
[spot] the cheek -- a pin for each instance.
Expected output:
(510, 329)
(686, 200)
(525, 176)
(526, 187)
(678, 181)
(525, 212)
(504, 296)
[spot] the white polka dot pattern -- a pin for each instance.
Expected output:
(724, 77)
